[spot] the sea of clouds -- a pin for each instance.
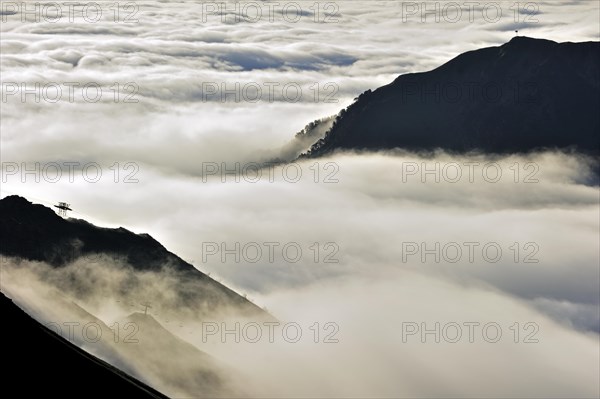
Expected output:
(366, 241)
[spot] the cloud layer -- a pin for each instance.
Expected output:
(178, 61)
(378, 233)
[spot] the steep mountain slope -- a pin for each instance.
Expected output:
(52, 363)
(137, 345)
(35, 232)
(525, 95)
(65, 271)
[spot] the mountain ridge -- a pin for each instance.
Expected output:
(35, 232)
(523, 96)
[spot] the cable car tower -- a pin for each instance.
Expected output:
(146, 305)
(63, 207)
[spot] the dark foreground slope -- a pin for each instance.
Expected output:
(53, 365)
(525, 95)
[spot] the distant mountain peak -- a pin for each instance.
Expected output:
(528, 94)
(529, 40)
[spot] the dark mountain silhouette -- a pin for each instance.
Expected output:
(54, 363)
(525, 95)
(140, 346)
(35, 232)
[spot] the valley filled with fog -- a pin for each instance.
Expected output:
(394, 249)
(382, 271)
